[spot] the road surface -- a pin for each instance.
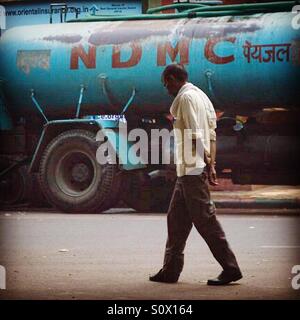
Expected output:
(50, 255)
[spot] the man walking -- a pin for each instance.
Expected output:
(190, 204)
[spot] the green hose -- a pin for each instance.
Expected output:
(274, 6)
(199, 12)
(180, 6)
(177, 6)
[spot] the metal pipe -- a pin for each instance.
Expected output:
(79, 101)
(109, 97)
(129, 101)
(38, 106)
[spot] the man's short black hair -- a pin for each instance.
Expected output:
(176, 70)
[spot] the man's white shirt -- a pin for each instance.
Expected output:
(194, 118)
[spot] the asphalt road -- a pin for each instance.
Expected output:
(110, 256)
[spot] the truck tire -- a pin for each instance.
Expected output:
(71, 178)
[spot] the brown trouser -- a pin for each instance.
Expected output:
(190, 204)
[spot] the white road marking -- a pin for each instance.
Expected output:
(280, 247)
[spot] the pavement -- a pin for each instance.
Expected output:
(110, 256)
(259, 197)
(229, 198)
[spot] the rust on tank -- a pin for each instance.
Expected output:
(199, 28)
(130, 31)
(295, 56)
(64, 38)
(31, 59)
(207, 30)
(219, 27)
(121, 36)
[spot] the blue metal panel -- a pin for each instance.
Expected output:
(110, 128)
(119, 141)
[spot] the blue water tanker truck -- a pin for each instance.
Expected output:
(64, 87)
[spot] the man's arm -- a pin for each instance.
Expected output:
(191, 122)
(211, 162)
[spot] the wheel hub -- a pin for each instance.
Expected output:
(80, 172)
(75, 173)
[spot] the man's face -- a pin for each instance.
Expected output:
(171, 84)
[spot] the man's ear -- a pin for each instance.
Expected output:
(171, 77)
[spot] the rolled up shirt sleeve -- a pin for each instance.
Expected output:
(212, 134)
(212, 121)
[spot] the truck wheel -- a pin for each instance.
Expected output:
(71, 178)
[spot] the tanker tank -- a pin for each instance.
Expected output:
(241, 62)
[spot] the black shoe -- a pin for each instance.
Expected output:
(225, 278)
(163, 276)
